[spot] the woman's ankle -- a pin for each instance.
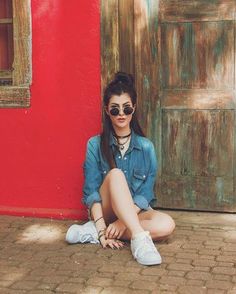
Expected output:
(136, 232)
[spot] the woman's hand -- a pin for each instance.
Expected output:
(115, 230)
(112, 243)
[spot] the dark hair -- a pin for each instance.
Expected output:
(122, 83)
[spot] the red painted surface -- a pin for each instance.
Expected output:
(43, 147)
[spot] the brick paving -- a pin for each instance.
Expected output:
(200, 257)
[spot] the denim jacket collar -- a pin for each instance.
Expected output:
(134, 142)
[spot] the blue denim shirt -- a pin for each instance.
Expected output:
(139, 165)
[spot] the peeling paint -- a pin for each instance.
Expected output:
(219, 189)
(146, 83)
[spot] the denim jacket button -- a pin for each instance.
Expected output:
(125, 171)
(119, 157)
(104, 171)
(144, 176)
(125, 158)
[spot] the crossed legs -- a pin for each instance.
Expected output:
(117, 203)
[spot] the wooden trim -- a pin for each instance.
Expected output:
(126, 35)
(22, 74)
(201, 10)
(18, 95)
(234, 173)
(5, 74)
(12, 97)
(198, 99)
(6, 20)
(109, 41)
(146, 62)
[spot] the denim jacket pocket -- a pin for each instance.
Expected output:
(138, 178)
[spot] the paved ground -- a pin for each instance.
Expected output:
(200, 257)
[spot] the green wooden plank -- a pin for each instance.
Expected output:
(146, 58)
(126, 35)
(198, 193)
(109, 40)
(198, 55)
(203, 10)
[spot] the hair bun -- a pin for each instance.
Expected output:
(124, 78)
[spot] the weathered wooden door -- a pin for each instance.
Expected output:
(183, 56)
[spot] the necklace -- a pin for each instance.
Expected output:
(123, 137)
(122, 145)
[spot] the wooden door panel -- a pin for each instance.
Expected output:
(109, 41)
(197, 143)
(197, 55)
(197, 102)
(204, 10)
(147, 62)
(126, 35)
(182, 54)
(197, 99)
(202, 193)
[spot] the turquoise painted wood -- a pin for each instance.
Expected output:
(197, 93)
(183, 58)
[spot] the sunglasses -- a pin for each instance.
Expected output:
(116, 111)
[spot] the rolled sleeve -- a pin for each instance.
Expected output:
(92, 174)
(141, 202)
(92, 198)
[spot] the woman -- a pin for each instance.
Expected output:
(120, 172)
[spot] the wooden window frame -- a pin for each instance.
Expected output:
(18, 94)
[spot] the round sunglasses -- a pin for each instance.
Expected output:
(116, 111)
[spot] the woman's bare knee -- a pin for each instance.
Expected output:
(115, 181)
(115, 174)
(164, 226)
(168, 228)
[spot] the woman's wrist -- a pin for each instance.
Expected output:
(101, 237)
(97, 215)
(98, 219)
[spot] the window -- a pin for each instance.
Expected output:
(15, 53)
(6, 42)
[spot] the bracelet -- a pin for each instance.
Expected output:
(99, 237)
(98, 219)
(101, 231)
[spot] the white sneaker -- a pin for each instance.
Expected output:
(144, 250)
(86, 233)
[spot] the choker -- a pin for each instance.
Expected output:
(122, 137)
(121, 146)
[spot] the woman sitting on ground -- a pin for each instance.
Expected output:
(120, 171)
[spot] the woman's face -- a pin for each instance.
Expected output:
(122, 120)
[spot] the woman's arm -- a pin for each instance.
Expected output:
(97, 215)
(117, 228)
(92, 173)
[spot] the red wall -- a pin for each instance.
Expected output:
(43, 147)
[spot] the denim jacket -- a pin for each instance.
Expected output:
(139, 166)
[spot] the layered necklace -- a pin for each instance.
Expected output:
(119, 138)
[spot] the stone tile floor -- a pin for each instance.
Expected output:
(200, 257)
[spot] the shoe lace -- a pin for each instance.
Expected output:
(146, 245)
(86, 238)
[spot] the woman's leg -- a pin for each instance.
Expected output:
(159, 224)
(117, 201)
